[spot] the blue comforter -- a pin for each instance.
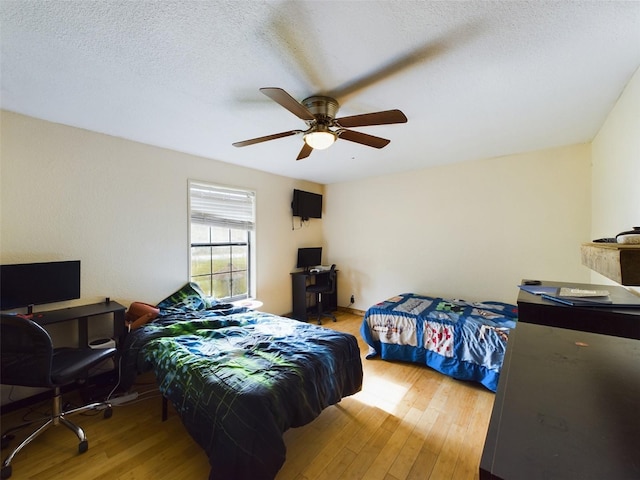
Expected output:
(239, 380)
(464, 340)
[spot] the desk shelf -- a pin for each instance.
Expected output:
(82, 313)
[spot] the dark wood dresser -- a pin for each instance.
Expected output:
(568, 400)
(608, 320)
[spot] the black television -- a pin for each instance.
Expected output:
(27, 284)
(306, 204)
(309, 257)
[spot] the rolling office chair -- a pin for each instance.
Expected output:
(28, 359)
(324, 288)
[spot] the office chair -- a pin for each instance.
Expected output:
(27, 358)
(324, 288)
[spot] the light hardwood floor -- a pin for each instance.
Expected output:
(408, 422)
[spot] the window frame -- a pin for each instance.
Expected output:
(236, 221)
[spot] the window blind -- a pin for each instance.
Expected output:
(217, 206)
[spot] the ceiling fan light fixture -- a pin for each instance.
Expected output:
(320, 139)
(323, 128)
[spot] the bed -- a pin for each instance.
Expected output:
(464, 340)
(239, 378)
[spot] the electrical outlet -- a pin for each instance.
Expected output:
(353, 299)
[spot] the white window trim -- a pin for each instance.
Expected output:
(253, 270)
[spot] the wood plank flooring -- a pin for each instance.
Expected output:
(409, 422)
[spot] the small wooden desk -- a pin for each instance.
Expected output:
(299, 282)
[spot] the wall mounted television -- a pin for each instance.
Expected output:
(306, 204)
(27, 284)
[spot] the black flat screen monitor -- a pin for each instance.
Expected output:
(38, 283)
(306, 204)
(309, 257)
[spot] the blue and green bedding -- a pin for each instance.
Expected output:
(240, 379)
(465, 340)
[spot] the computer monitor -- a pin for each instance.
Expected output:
(309, 257)
(27, 284)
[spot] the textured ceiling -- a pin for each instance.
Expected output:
(475, 79)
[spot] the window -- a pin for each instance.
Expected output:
(222, 222)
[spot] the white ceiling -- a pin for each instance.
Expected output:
(476, 79)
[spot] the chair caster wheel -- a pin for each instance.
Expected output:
(6, 472)
(83, 446)
(107, 413)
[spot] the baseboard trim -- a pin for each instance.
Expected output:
(353, 311)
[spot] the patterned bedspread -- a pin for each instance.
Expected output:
(239, 380)
(464, 340)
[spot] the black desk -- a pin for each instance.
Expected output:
(82, 315)
(98, 387)
(608, 320)
(299, 281)
(565, 411)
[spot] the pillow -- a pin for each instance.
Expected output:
(140, 313)
(189, 297)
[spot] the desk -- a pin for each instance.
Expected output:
(566, 407)
(299, 282)
(99, 386)
(82, 314)
(607, 320)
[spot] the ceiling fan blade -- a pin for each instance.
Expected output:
(305, 152)
(377, 118)
(244, 143)
(287, 101)
(363, 138)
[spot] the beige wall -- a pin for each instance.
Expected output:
(615, 201)
(121, 208)
(471, 230)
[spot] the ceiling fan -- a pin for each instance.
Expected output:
(319, 113)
